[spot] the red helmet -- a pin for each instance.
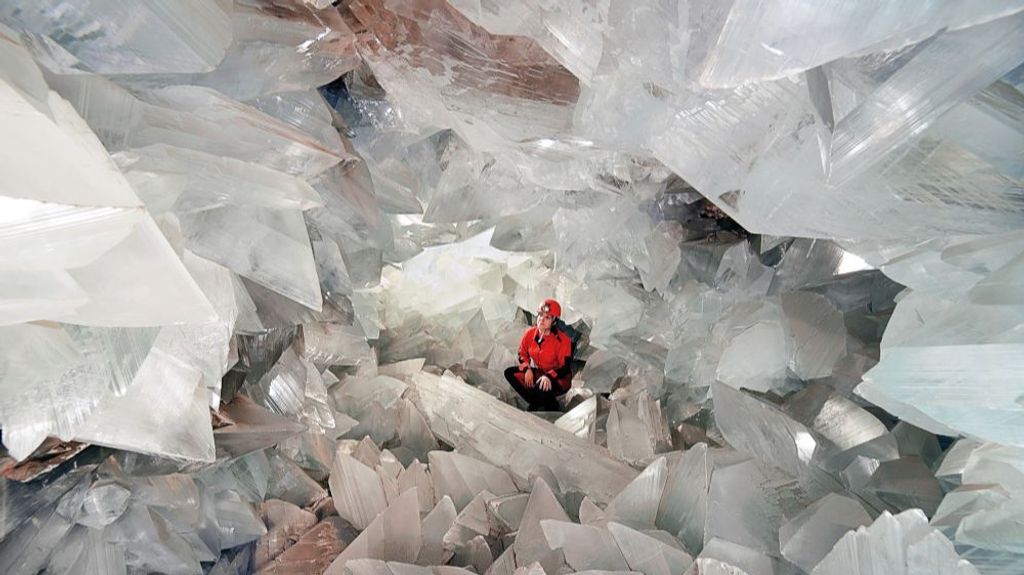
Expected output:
(551, 307)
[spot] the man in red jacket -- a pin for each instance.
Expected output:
(545, 357)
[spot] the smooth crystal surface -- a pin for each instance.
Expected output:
(684, 502)
(530, 542)
(584, 547)
(185, 37)
(357, 491)
(394, 535)
(805, 539)
(576, 463)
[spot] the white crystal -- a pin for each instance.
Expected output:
(435, 526)
(195, 118)
(755, 359)
(461, 415)
(461, 477)
(922, 377)
(894, 544)
(637, 504)
(164, 412)
(394, 535)
(530, 543)
(88, 228)
(684, 501)
(357, 491)
(584, 547)
(648, 555)
(83, 366)
(743, 559)
(270, 247)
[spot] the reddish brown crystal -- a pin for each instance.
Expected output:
(46, 457)
(286, 523)
(431, 35)
(315, 551)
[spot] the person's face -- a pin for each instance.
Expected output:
(544, 319)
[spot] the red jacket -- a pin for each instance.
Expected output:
(551, 356)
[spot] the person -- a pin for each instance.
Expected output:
(545, 361)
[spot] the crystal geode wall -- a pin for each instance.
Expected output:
(264, 261)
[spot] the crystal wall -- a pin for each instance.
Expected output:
(262, 263)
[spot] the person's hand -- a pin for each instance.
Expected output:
(528, 379)
(524, 366)
(544, 383)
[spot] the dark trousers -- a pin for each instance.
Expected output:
(538, 400)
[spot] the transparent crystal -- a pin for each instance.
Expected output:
(237, 521)
(195, 118)
(756, 358)
(805, 539)
(838, 30)
(818, 332)
(180, 180)
(270, 247)
(294, 48)
(160, 39)
(529, 98)
(83, 366)
(108, 254)
(414, 434)
(86, 551)
(463, 416)
(331, 344)
(164, 412)
(471, 524)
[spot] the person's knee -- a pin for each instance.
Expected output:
(510, 373)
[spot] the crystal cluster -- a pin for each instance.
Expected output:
(262, 263)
